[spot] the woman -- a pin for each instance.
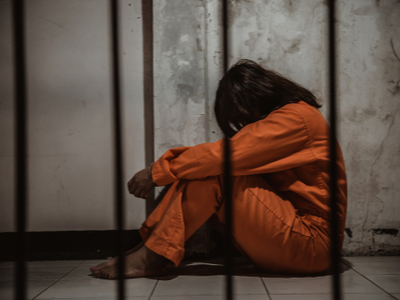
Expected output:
(280, 160)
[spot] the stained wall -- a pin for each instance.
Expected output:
(187, 66)
(291, 38)
(70, 129)
(370, 122)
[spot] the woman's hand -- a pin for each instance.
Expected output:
(141, 183)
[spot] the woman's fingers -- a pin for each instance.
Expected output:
(141, 191)
(133, 187)
(131, 184)
(144, 191)
(128, 185)
(143, 194)
(141, 183)
(138, 190)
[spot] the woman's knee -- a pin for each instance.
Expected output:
(205, 187)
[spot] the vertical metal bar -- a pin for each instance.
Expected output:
(148, 86)
(20, 148)
(227, 189)
(118, 185)
(335, 251)
(225, 36)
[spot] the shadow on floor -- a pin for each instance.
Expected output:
(242, 267)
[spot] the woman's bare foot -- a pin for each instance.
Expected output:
(141, 263)
(113, 261)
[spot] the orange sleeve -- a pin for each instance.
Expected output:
(276, 143)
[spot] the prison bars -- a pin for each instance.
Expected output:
(335, 251)
(227, 188)
(21, 151)
(21, 180)
(148, 92)
(118, 171)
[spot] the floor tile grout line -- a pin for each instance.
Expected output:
(259, 275)
(154, 288)
(264, 284)
(57, 281)
(362, 275)
(204, 295)
(351, 266)
(372, 282)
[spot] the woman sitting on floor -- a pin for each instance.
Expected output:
(280, 178)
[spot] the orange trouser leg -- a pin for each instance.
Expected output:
(268, 230)
(186, 206)
(266, 226)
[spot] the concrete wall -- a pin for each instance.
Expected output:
(290, 37)
(187, 64)
(69, 118)
(370, 127)
(187, 67)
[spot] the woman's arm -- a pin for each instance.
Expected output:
(279, 142)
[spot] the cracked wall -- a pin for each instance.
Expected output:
(290, 37)
(179, 77)
(187, 67)
(70, 112)
(370, 123)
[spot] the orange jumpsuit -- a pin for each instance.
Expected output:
(280, 192)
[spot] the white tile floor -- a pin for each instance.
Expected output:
(366, 278)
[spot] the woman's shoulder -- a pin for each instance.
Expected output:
(300, 107)
(305, 111)
(305, 116)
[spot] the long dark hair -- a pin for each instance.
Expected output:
(248, 93)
